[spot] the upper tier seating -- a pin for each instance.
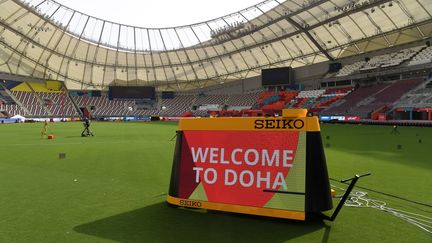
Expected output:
(425, 56)
(350, 68)
(389, 60)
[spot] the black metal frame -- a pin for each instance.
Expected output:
(345, 196)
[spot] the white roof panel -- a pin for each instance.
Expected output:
(51, 40)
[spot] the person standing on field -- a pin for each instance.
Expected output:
(44, 131)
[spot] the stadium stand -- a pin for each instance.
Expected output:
(271, 100)
(371, 54)
(415, 55)
(419, 97)
(351, 100)
(366, 100)
(210, 102)
(179, 105)
(307, 99)
(31, 102)
(329, 97)
(5, 98)
(58, 104)
(331, 101)
(425, 56)
(35, 100)
(242, 100)
(13, 109)
(350, 68)
(391, 59)
(103, 107)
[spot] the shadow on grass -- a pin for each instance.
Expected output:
(162, 223)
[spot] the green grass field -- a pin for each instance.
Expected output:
(112, 187)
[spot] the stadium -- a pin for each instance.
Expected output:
(250, 127)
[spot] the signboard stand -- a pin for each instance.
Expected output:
(345, 196)
(272, 166)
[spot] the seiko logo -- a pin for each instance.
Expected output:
(187, 203)
(279, 124)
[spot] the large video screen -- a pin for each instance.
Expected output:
(132, 92)
(276, 76)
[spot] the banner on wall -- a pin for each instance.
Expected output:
(340, 118)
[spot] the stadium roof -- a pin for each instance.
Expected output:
(148, 13)
(44, 39)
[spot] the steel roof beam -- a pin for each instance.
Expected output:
(298, 26)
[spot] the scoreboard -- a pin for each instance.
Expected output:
(277, 76)
(262, 166)
(131, 92)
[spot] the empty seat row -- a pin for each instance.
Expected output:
(389, 60)
(311, 93)
(425, 56)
